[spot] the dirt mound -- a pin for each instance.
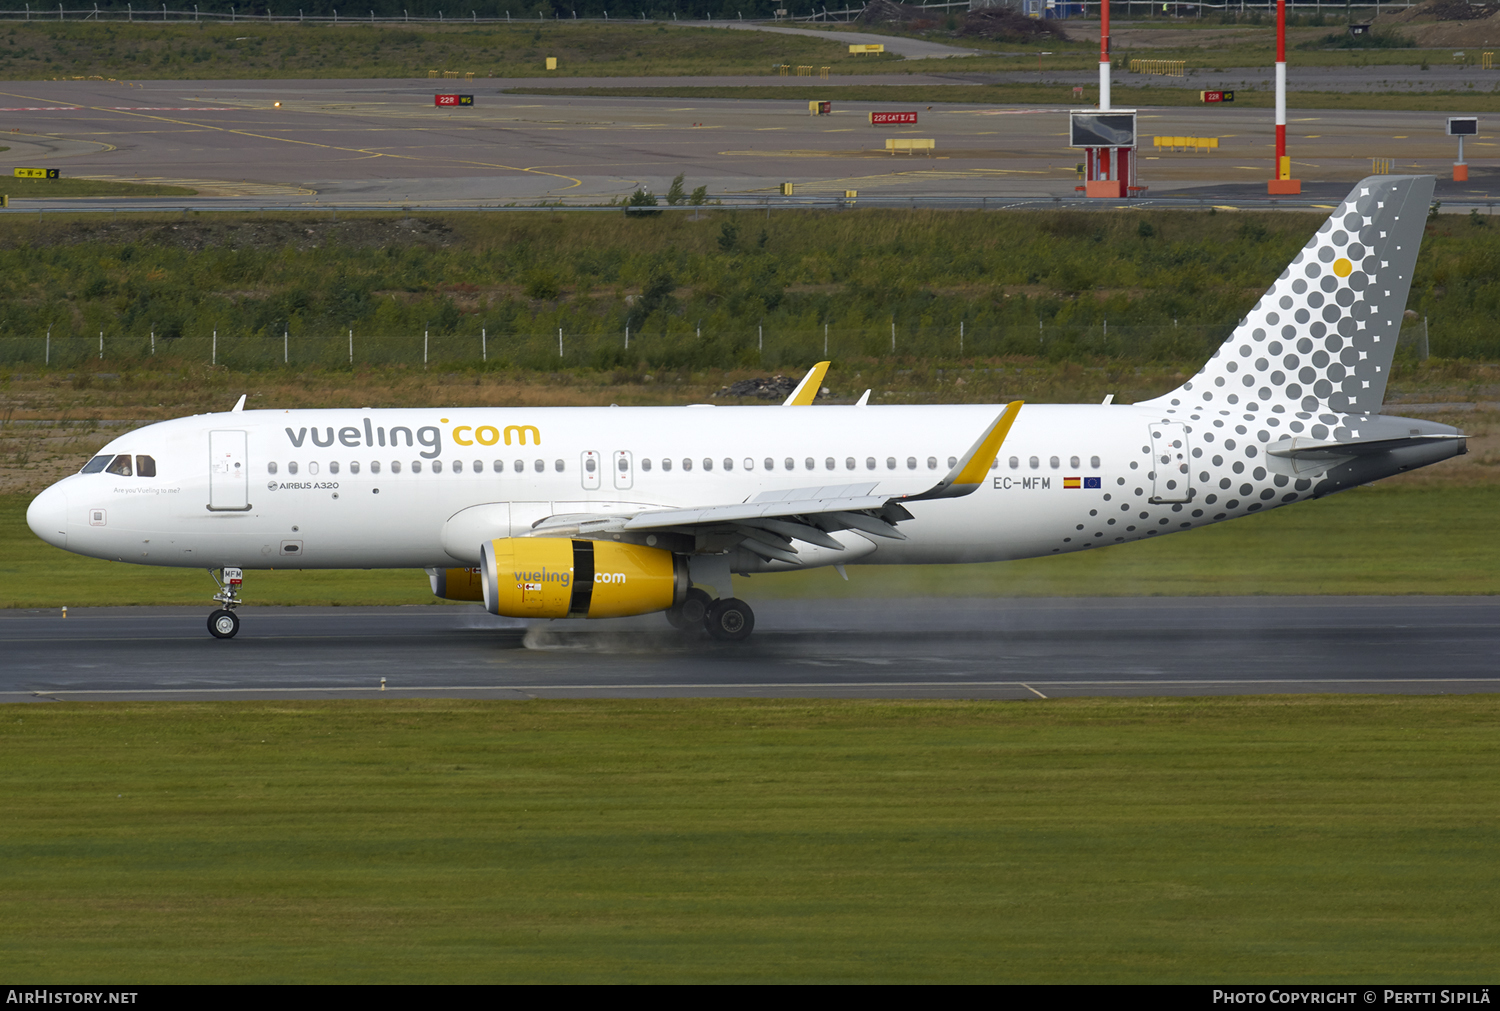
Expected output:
(1003, 23)
(1008, 24)
(777, 387)
(1440, 10)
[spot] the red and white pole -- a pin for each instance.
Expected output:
(1282, 183)
(1103, 55)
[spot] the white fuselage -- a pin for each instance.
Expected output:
(375, 488)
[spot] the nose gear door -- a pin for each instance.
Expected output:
(228, 472)
(1171, 475)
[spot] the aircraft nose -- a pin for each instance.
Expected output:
(47, 516)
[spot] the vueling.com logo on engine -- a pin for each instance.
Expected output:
(533, 580)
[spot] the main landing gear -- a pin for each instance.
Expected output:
(223, 623)
(728, 619)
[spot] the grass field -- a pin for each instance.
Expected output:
(1249, 840)
(1397, 540)
(1137, 96)
(54, 50)
(43, 189)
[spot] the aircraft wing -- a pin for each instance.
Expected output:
(768, 523)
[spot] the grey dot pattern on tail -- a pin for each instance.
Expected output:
(1323, 337)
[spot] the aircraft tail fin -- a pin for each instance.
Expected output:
(1323, 337)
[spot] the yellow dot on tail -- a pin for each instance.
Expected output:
(1342, 267)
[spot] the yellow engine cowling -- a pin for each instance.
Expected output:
(456, 584)
(554, 577)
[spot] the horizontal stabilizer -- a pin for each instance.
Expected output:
(1324, 449)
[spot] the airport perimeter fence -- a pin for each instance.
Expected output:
(766, 347)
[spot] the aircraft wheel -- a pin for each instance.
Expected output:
(730, 620)
(223, 624)
(691, 612)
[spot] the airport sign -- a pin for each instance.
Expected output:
(452, 100)
(887, 118)
(37, 173)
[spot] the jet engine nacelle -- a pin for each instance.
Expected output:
(555, 577)
(456, 584)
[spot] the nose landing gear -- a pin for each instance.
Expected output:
(223, 623)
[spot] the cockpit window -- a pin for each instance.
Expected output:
(121, 466)
(145, 466)
(97, 464)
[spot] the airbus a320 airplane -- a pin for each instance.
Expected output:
(605, 512)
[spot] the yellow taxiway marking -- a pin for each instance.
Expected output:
(308, 143)
(1402, 137)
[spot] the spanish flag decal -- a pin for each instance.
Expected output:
(1072, 482)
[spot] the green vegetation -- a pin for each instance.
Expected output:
(52, 189)
(1139, 96)
(249, 50)
(73, 50)
(1284, 840)
(697, 290)
(1385, 540)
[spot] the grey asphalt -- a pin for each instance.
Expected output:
(1025, 648)
(384, 144)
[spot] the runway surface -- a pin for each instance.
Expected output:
(928, 648)
(385, 144)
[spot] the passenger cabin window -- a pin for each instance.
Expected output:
(145, 466)
(890, 463)
(1094, 462)
(98, 463)
(728, 463)
(1015, 463)
(354, 466)
(809, 464)
(911, 463)
(666, 463)
(557, 465)
(540, 466)
(869, 463)
(121, 466)
(437, 466)
(645, 464)
(849, 463)
(1035, 463)
(770, 464)
(932, 463)
(312, 468)
(953, 462)
(708, 464)
(1073, 462)
(333, 466)
(374, 466)
(458, 466)
(687, 464)
(828, 463)
(519, 466)
(1054, 463)
(395, 466)
(271, 467)
(291, 468)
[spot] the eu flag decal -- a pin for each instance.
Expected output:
(1071, 482)
(1093, 482)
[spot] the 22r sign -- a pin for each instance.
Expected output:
(451, 100)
